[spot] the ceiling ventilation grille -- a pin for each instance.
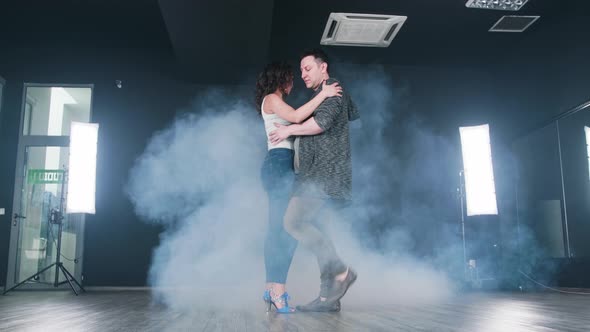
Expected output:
(512, 23)
(368, 30)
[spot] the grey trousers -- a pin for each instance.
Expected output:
(302, 222)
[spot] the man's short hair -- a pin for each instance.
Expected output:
(317, 53)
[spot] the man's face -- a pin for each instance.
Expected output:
(312, 73)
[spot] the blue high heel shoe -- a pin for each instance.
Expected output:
(282, 300)
(266, 299)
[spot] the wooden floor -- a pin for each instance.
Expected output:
(135, 311)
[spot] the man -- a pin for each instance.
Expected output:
(324, 179)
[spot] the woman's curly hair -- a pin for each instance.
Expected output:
(276, 75)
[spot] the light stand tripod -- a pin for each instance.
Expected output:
(470, 273)
(461, 196)
(55, 217)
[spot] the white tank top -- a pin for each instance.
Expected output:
(269, 126)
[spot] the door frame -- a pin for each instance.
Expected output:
(25, 141)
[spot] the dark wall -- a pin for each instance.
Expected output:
(128, 116)
(512, 96)
(118, 245)
(536, 85)
(420, 171)
(549, 72)
(98, 43)
(515, 96)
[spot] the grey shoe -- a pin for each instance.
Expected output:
(339, 288)
(318, 305)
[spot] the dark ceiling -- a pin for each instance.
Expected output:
(437, 32)
(440, 32)
(220, 41)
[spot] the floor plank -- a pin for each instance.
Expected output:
(134, 310)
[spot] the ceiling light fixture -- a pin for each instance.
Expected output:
(513, 5)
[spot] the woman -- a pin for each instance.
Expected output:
(273, 84)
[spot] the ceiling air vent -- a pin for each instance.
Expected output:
(512, 23)
(369, 30)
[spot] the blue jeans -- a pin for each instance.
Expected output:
(279, 247)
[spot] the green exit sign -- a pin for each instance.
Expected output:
(42, 176)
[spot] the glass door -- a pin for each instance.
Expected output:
(43, 156)
(42, 193)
